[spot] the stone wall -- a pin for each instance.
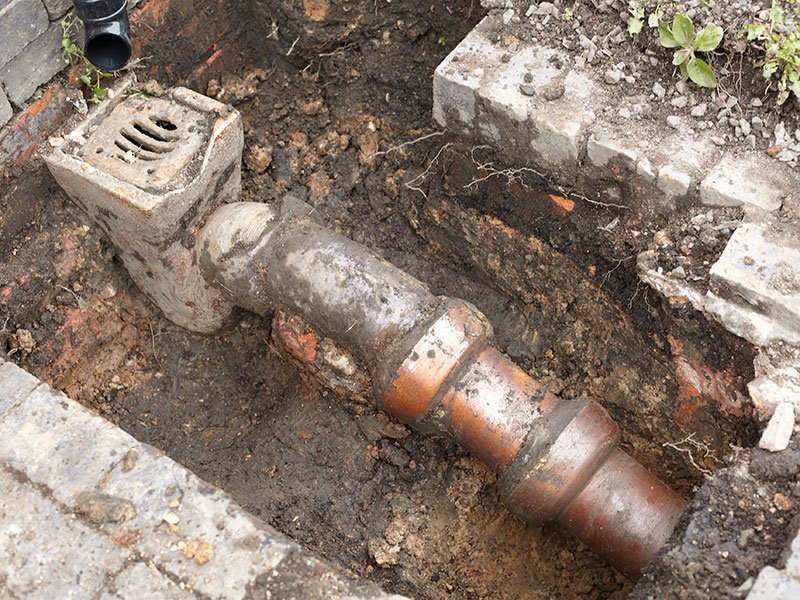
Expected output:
(30, 48)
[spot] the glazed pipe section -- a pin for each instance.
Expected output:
(434, 368)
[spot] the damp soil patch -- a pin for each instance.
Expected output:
(337, 112)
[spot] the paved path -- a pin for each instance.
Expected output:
(86, 511)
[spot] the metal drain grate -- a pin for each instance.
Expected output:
(148, 141)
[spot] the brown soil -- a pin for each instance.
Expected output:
(326, 121)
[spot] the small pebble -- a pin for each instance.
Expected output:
(679, 102)
(624, 113)
(528, 77)
(612, 76)
(750, 140)
(674, 122)
(745, 125)
(659, 90)
(718, 140)
(554, 92)
(527, 90)
(699, 110)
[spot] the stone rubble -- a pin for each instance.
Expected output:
(778, 432)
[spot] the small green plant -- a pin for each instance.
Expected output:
(91, 75)
(568, 15)
(781, 47)
(682, 36)
(636, 21)
(441, 41)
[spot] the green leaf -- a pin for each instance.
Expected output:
(665, 36)
(684, 71)
(85, 79)
(701, 73)
(682, 29)
(708, 38)
(635, 25)
(681, 56)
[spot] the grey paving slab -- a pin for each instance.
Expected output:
(6, 112)
(21, 22)
(771, 584)
(86, 511)
(35, 65)
(15, 384)
(58, 443)
(140, 581)
(758, 272)
(45, 553)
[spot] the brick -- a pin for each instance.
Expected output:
(57, 8)
(45, 553)
(750, 180)
(6, 112)
(29, 129)
(759, 274)
(21, 22)
(35, 65)
(771, 584)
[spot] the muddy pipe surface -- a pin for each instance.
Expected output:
(434, 368)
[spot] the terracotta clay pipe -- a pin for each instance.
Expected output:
(434, 368)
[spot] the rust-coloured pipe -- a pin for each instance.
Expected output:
(433, 368)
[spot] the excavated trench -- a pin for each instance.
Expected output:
(328, 103)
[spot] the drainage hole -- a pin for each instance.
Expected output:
(164, 124)
(150, 133)
(143, 143)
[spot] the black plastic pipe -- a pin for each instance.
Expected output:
(108, 32)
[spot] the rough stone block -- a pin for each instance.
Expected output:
(485, 90)
(35, 65)
(750, 180)
(771, 584)
(601, 152)
(778, 386)
(673, 181)
(57, 8)
(758, 277)
(45, 553)
(779, 430)
(15, 385)
(6, 112)
(21, 22)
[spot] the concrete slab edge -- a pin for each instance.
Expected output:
(86, 510)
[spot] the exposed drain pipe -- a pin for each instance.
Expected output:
(152, 171)
(434, 368)
(108, 32)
